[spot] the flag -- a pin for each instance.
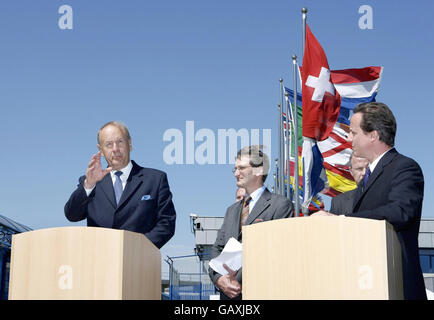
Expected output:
(314, 175)
(321, 102)
(357, 85)
(316, 202)
(354, 86)
(321, 106)
(335, 150)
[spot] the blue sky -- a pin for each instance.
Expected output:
(156, 64)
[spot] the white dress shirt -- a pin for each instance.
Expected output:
(375, 162)
(255, 195)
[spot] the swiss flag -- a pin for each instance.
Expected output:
(320, 101)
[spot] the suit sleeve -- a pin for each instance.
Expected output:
(333, 207)
(405, 197)
(284, 209)
(339, 204)
(217, 248)
(166, 216)
(76, 207)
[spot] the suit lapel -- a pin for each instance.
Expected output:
(133, 182)
(107, 187)
(237, 216)
(262, 204)
(387, 158)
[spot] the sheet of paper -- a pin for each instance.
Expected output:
(231, 256)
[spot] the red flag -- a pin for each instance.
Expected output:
(321, 102)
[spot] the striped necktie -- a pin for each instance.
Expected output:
(245, 211)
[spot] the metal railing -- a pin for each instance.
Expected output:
(188, 278)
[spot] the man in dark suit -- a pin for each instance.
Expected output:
(124, 195)
(343, 203)
(258, 205)
(392, 187)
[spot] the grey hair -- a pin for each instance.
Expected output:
(119, 125)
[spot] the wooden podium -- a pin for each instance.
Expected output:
(321, 258)
(84, 263)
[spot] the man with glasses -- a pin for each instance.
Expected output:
(124, 195)
(258, 205)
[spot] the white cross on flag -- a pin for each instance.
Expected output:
(321, 102)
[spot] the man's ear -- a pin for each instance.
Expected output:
(374, 135)
(258, 171)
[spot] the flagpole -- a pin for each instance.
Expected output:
(296, 178)
(304, 16)
(279, 160)
(288, 150)
(290, 142)
(276, 162)
(279, 125)
(281, 154)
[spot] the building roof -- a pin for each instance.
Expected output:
(11, 224)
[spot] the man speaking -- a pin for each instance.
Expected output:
(124, 195)
(392, 187)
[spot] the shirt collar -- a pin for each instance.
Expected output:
(375, 162)
(255, 195)
(125, 172)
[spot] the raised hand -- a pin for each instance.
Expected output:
(94, 172)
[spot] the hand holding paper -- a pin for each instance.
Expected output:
(231, 256)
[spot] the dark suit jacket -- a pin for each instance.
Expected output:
(269, 206)
(394, 193)
(343, 203)
(145, 206)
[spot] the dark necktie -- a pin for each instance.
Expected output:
(118, 186)
(366, 177)
(245, 211)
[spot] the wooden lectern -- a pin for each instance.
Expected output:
(84, 263)
(321, 258)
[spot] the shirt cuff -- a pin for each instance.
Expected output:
(88, 191)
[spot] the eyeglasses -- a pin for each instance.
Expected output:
(110, 144)
(240, 168)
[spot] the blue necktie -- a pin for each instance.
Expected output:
(118, 186)
(366, 177)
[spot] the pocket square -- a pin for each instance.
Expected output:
(146, 197)
(258, 220)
